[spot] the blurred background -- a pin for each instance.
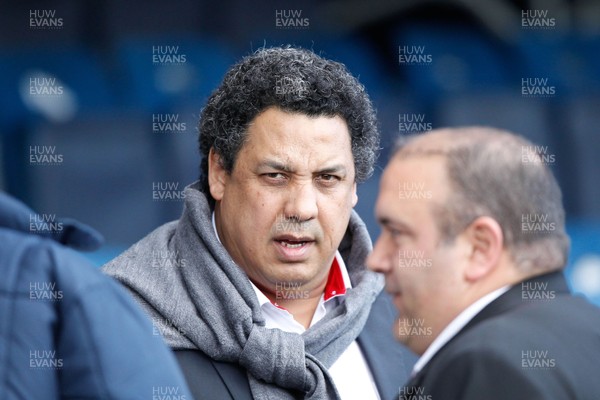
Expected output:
(100, 99)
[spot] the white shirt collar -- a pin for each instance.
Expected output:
(262, 299)
(455, 326)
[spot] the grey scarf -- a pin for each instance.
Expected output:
(204, 301)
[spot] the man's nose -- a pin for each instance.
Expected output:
(379, 260)
(302, 202)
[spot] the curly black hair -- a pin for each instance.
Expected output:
(294, 80)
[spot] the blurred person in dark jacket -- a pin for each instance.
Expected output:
(66, 330)
(262, 281)
(473, 245)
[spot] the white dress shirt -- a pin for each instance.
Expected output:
(350, 372)
(455, 326)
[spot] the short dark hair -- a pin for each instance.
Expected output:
(294, 80)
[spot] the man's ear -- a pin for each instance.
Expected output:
(217, 175)
(486, 243)
(354, 195)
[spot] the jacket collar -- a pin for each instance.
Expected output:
(538, 288)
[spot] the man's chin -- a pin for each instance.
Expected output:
(416, 338)
(293, 273)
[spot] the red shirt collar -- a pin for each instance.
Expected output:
(335, 285)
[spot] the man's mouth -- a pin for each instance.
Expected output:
(293, 241)
(292, 247)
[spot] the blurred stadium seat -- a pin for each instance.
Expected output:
(109, 165)
(160, 73)
(568, 61)
(525, 116)
(78, 69)
(462, 58)
(367, 195)
(582, 119)
(583, 270)
(361, 59)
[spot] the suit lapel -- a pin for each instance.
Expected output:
(411, 388)
(517, 296)
(235, 378)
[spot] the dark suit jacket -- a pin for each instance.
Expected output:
(389, 362)
(536, 341)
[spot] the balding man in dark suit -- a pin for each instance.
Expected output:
(473, 246)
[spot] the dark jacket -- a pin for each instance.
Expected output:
(536, 341)
(66, 330)
(389, 362)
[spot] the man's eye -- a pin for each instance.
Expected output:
(274, 178)
(328, 178)
(395, 232)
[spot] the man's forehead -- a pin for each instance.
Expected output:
(274, 119)
(286, 135)
(421, 180)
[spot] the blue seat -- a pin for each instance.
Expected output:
(361, 59)
(181, 71)
(583, 270)
(586, 51)
(582, 119)
(500, 109)
(455, 58)
(184, 162)
(569, 62)
(367, 195)
(106, 176)
(80, 86)
(79, 69)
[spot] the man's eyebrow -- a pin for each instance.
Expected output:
(334, 169)
(279, 166)
(385, 221)
(276, 165)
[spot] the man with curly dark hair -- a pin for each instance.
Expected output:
(269, 297)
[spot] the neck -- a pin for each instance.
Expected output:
(302, 304)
